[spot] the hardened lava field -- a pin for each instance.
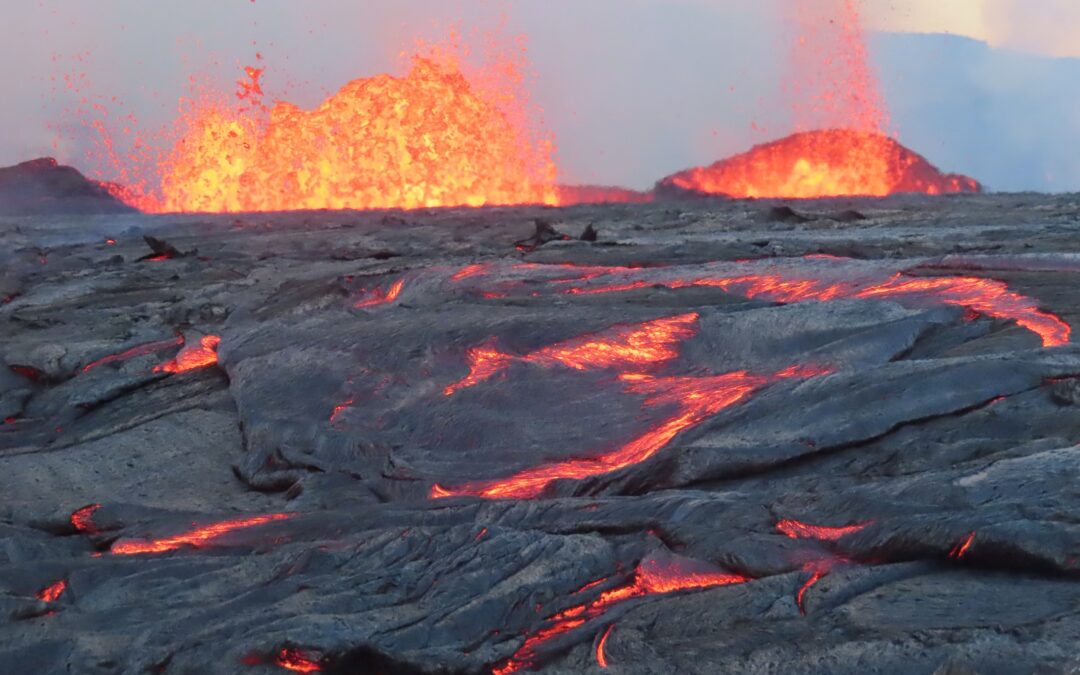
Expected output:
(833, 436)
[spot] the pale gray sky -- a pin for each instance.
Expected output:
(632, 89)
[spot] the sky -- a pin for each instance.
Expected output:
(632, 89)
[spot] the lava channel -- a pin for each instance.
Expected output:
(694, 399)
(651, 577)
(651, 343)
(140, 350)
(193, 356)
(199, 537)
(985, 296)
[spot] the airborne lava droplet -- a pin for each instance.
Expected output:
(200, 537)
(52, 592)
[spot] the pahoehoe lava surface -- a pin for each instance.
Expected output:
(709, 441)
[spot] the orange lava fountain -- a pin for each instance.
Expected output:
(433, 138)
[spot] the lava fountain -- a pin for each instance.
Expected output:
(432, 138)
(842, 148)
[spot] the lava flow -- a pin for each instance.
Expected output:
(83, 519)
(297, 661)
(986, 296)
(199, 537)
(140, 350)
(193, 356)
(52, 592)
(961, 549)
(794, 529)
(652, 343)
(694, 399)
(377, 296)
(651, 577)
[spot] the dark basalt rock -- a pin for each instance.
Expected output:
(42, 186)
(907, 506)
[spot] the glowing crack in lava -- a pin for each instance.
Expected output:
(433, 138)
(297, 661)
(193, 356)
(601, 656)
(199, 537)
(651, 577)
(52, 592)
(793, 529)
(83, 519)
(652, 343)
(692, 399)
(377, 297)
(961, 549)
(140, 350)
(986, 296)
(826, 163)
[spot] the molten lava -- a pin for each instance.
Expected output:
(52, 592)
(199, 537)
(826, 163)
(961, 549)
(601, 657)
(297, 661)
(652, 343)
(377, 296)
(692, 400)
(83, 519)
(432, 138)
(651, 577)
(140, 350)
(193, 356)
(794, 529)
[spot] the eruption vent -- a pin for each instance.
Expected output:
(829, 163)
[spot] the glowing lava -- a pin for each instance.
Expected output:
(433, 138)
(601, 657)
(200, 537)
(961, 549)
(794, 529)
(652, 343)
(52, 592)
(193, 356)
(651, 577)
(378, 297)
(83, 519)
(297, 661)
(827, 163)
(693, 399)
(141, 350)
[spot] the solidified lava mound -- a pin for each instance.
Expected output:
(42, 186)
(397, 443)
(828, 163)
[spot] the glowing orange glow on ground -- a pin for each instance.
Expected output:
(961, 549)
(297, 661)
(650, 578)
(828, 163)
(52, 592)
(694, 399)
(83, 519)
(378, 297)
(798, 530)
(652, 343)
(193, 356)
(141, 350)
(200, 537)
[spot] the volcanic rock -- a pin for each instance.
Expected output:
(659, 456)
(42, 186)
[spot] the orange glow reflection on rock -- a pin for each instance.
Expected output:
(647, 344)
(199, 537)
(432, 138)
(694, 399)
(193, 357)
(650, 578)
(826, 163)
